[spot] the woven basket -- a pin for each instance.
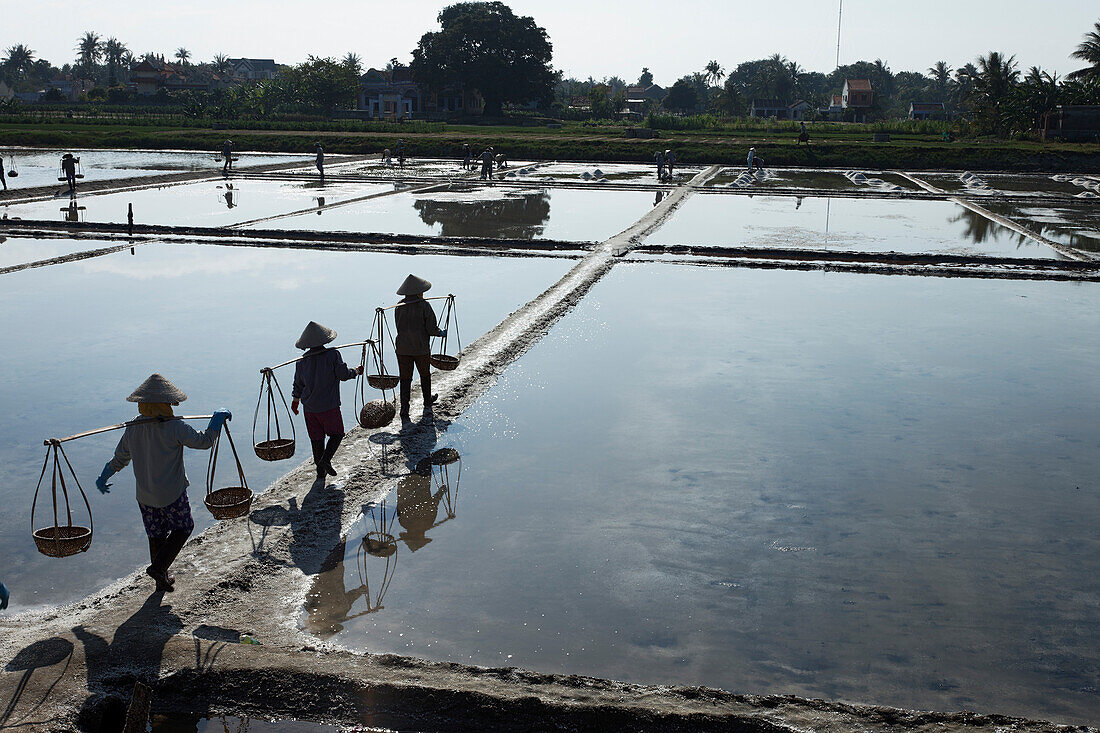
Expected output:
(444, 457)
(444, 362)
(380, 544)
(275, 450)
(229, 503)
(383, 381)
(377, 414)
(62, 541)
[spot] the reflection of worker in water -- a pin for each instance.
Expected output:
(320, 159)
(229, 202)
(329, 602)
(417, 506)
(227, 155)
(68, 167)
(487, 163)
(416, 325)
(72, 212)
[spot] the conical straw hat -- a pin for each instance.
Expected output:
(315, 335)
(414, 285)
(157, 389)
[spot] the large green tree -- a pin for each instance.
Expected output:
(487, 48)
(1089, 51)
(320, 84)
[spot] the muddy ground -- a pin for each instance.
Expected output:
(74, 667)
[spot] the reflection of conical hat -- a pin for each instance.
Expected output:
(414, 285)
(157, 389)
(315, 335)
(417, 509)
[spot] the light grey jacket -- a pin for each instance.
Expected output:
(156, 447)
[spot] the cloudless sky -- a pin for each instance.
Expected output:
(591, 37)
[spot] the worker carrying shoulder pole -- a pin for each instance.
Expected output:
(416, 325)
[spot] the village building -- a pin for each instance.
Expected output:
(799, 110)
(927, 111)
(254, 69)
(153, 74)
(639, 99)
(393, 95)
(1073, 123)
(766, 108)
(857, 98)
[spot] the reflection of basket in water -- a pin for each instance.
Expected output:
(60, 540)
(232, 501)
(380, 544)
(444, 362)
(278, 449)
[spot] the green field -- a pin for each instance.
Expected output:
(832, 144)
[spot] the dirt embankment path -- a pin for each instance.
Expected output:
(73, 668)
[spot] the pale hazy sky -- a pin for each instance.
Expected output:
(597, 37)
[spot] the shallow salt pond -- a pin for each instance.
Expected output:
(223, 723)
(22, 250)
(207, 203)
(80, 336)
(1075, 225)
(1001, 184)
(39, 167)
(856, 487)
(488, 211)
(811, 180)
(859, 224)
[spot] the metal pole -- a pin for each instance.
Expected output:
(839, 17)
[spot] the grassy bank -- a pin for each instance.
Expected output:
(835, 146)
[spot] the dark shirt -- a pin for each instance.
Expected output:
(69, 166)
(416, 325)
(317, 379)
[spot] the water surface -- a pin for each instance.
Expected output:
(860, 224)
(842, 486)
(80, 336)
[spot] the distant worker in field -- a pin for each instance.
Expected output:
(320, 159)
(670, 161)
(466, 156)
(400, 152)
(227, 156)
(68, 167)
(3, 178)
(752, 160)
(803, 136)
(316, 387)
(502, 160)
(659, 157)
(416, 325)
(155, 444)
(487, 164)
(387, 158)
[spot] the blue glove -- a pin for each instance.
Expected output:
(218, 419)
(443, 333)
(5, 594)
(101, 482)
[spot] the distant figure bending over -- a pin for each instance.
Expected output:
(487, 164)
(155, 445)
(754, 160)
(320, 159)
(416, 325)
(227, 154)
(68, 167)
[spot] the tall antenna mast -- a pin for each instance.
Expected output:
(839, 17)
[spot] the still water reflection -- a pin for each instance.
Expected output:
(80, 336)
(857, 487)
(240, 724)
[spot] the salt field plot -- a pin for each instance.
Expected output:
(195, 724)
(595, 172)
(21, 250)
(208, 203)
(38, 167)
(811, 180)
(489, 211)
(209, 317)
(865, 225)
(843, 486)
(419, 167)
(1075, 225)
(988, 184)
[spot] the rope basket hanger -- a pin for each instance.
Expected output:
(280, 447)
(379, 378)
(373, 414)
(228, 502)
(60, 540)
(12, 171)
(442, 360)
